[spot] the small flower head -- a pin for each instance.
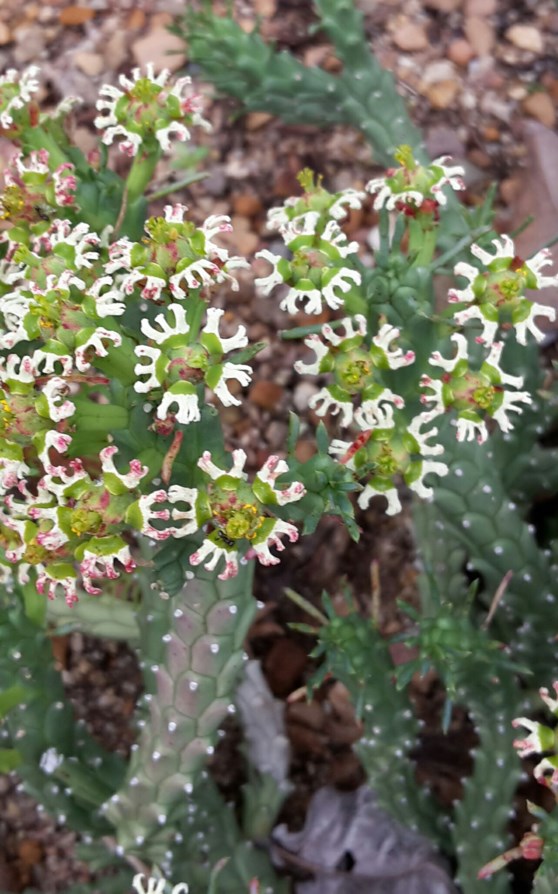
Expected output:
(495, 295)
(99, 558)
(178, 367)
(316, 204)
(235, 515)
(356, 370)
(541, 738)
(415, 188)
(104, 299)
(317, 273)
(148, 110)
(474, 394)
(13, 468)
(389, 452)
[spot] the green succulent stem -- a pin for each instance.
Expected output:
(141, 173)
(193, 656)
(357, 655)
(482, 816)
(364, 95)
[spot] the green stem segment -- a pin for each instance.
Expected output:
(197, 644)
(141, 173)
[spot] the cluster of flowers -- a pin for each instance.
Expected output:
(93, 327)
(228, 508)
(323, 273)
(84, 317)
(148, 110)
(70, 518)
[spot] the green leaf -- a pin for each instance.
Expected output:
(294, 431)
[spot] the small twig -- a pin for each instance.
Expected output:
(522, 226)
(121, 213)
(302, 331)
(548, 244)
(498, 596)
(376, 608)
(170, 456)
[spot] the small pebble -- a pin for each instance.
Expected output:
(5, 34)
(90, 63)
(526, 37)
(410, 37)
(442, 94)
(265, 394)
(461, 52)
(256, 120)
(480, 35)
(540, 106)
(302, 394)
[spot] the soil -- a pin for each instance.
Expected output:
(478, 75)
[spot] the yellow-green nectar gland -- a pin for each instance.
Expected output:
(386, 462)
(36, 555)
(483, 396)
(236, 520)
(353, 372)
(85, 521)
(11, 202)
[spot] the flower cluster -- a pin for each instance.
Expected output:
(318, 271)
(148, 111)
(175, 259)
(80, 352)
(178, 366)
(71, 517)
(360, 362)
(315, 201)
(474, 394)
(496, 296)
(356, 371)
(393, 450)
(47, 300)
(414, 188)
(235, 515)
